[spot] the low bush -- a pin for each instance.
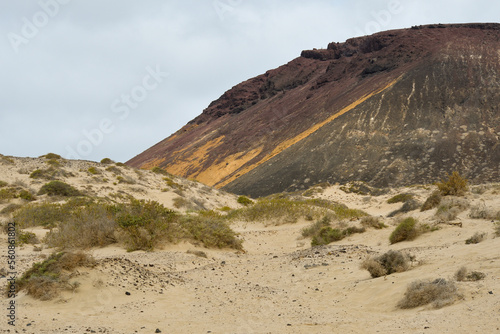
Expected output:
(212, 231)
(314, 229)
(372, 222)
(432, 201)
(476, 238)
(245, 200)
(456, 185)
(323, 233)
(107, 161)
(27, 195)
(24, 237)
(7, 194)
(326, 235)
(46, 279)
(386, 264)
(439, 293)
(3, 184)
(43, 214)
(401, 198)
(406, 230)
(94, 171)
(408, 206)
(159, 170)
(10, 209)
(89, 226)
(51, 156)
(58, 188)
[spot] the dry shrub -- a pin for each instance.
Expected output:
(372, 222)
(462, 274)
(482, 212)
(197, 253)
(408, 206)
(91, 226)
(401, 198)
(456, 185)
(386, 264)
(476, 238)
(432, 201)
(439, 293)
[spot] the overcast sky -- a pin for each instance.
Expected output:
(110, 78)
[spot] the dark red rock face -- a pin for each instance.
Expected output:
(395, 108)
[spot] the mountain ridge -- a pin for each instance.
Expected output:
(242, 141)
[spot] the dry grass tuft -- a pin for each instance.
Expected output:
(462, 274)
(372, 222)
(439, 293)
(432, 201)
(476, 238)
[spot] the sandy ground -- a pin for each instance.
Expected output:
(279, 284)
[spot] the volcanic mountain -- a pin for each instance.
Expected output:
(395, 108)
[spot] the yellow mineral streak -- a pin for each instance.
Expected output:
(286, 144)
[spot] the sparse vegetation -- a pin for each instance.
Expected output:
(386, 264)
(51, 156)
(107, 161)
(439, 293)
(181, 202)
(24, 237)
(172, 184)
(476, 238)
(198, 253)
(3, 184)
(42, 214)
(432, 201)
(323, 233)
(408, 206)
(372, 222)
(212, 231)
(8, 194)
(245, 200)
(456, 185)
(27, 195)
(401, 198)
(159, 170)
(94, 171)
(113, 169)
(406, 230)
(58, 188)
(482, 212)
(463, 274)
(497, 229)
(46, 279)
(10, 208)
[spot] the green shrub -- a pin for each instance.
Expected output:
(146, 224)
(386, 264)
(27, 196)
(53, 162)
(92, 170)
(172, 184)
(8, 193)
(107, 161)
(408, 206)
(406, 230)
(439, 293)
(401, 198)
(58, 188)
(114, 169)
(24, 237)
(51, 156)
(476, 238)
(159, 170)
(10, 209)
(316, 227)
(212, 231)
(44, 279)
(43, 214)
(327, 235)
(245, 200)
(47, 174)
(88, 226)
(3, 184)
(456, 185)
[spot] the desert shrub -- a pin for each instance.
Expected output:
(51, 156)
(482, 212)
(53, 162)
(8, 194)
(3, 184)
(10, 208)
(125, 179)
(146, 224)
(24, 237)
(58, 188)
(497, 229)
(114, 170)
(406, 230)
(107, 161)
(372, 222)
(314, 229)
(159, 170)
(432, 201)
(27, 195)
(386, 264)
(401, 198)
(172, 184)
(120, 164)
(41, 174)
(456, 185)
(476, 238)
(408, 206)
(245, 200)
(225, 209)
(326, 235)
(45, 279)
(439, 293)
(462, 274)
(212, 231)
(43, 214)
(180, 202)
(92, 170)
(197, 253)
(86, 227)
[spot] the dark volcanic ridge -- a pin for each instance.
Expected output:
(394, 108)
